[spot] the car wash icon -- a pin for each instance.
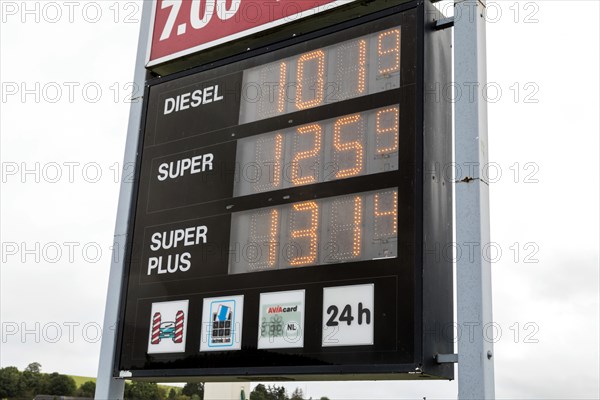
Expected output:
(222, 319)
(167, 330)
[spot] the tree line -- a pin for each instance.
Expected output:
(15, 384)
(18, 385)
(262, 392)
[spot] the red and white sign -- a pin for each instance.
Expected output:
(168, 327)
(182, 27)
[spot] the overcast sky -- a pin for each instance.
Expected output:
(68, 131)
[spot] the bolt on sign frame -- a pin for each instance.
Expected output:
(292, 216)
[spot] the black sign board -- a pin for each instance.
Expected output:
(291, 212)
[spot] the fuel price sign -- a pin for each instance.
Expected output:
(282, 211)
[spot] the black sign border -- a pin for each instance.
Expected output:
(330, 372)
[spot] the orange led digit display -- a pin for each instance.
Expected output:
(314, 82)
(362, 65)
(345, 239)
(357, 67)
(348, 228)
(386, 215)
(357, 237)
(388, 49)
(277, 162)
(351, 70)
(309, 233)
(318, 144)
(353, 126)
(388, 121)
(338, 148)
(273, 235)
(299, 177)
(282, 88)
(270, 97)
(268, 162)
(264, 232)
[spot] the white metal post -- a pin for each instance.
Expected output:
(473, 272)
(107, 387)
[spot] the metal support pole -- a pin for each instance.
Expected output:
(473, 272)
(107, 387)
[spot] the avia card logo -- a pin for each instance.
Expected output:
(281, 309)
(222, 319)
(168, 327)
(281, 320)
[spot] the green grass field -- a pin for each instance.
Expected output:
(79, 380)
